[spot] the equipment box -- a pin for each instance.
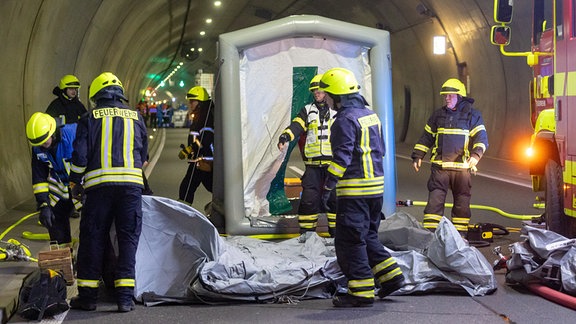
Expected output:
(58, 259)
(292, 187)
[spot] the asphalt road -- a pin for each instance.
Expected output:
(509, 304)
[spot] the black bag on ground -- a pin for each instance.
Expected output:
(43, 293)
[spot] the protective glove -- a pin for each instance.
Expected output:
(186, 152)
(472, 162)
(76, 190)
(416, 163)
(46, 216)
(325, 198)
(283, 139)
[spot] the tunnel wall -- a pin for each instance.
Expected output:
(43, 40)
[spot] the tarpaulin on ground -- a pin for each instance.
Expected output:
(435, 262)
(544, 257)
(182, 259)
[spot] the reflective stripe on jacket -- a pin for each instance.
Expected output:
(51, 169)
(453, 136)
(358, 150)
(316, 123)
(110, 148)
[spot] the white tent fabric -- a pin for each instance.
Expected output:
(266, 105)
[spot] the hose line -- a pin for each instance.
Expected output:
(482, 207)
(16, 224)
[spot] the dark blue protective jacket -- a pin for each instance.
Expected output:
(357, 151)
(50, 168)
(453, 136)
(111, 146)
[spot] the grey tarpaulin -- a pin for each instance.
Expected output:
(182, 259)
(436, 262)
(545, 257)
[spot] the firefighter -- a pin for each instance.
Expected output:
(314, 121)
(110, 148)
(51, 152)
(456, 136)
(357, 174)
(200, 148)
(67, 106)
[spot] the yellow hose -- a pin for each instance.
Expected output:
(16, 224)
(36, 236)
(489, 208)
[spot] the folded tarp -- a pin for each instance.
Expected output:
(182, 259)
(435, 262)
(543, 257)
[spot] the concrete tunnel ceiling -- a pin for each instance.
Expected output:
(138, 39)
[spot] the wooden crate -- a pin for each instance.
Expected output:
(58, 259)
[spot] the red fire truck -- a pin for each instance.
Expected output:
(552, 58)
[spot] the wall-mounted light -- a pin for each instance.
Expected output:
(439, 45)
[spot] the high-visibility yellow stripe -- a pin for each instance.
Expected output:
(571, 84)
(389, 275)
(454, 131)
(383, 265)
(106, 143)
(300, 122)
(87, 283)
(126, 282)
(336, 169)
(40, 187)
(422, 148)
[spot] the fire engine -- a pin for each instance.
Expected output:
(552, 58)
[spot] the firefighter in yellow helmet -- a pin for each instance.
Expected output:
(67, 106)
(110, 149)
(199, 150)
(314, 121)
(357, 174)
(456, 137)
(51, 151)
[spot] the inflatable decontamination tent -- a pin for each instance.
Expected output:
(260, 68)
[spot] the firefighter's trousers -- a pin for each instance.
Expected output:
(60, 229)
(440, 181)
(311, 203)
(121, 205)
(192, 180)
(359, 252)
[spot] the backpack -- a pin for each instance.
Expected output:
(43, 293)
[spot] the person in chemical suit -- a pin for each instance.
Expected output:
(51, 152)
(357, 174)
(456, 137)
(67, 106)
(315, 120)
(200, 149)
(110, 149)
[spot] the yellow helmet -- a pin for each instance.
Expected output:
(339, 81)
(453, 86)
(315, 82)
(198, 93)
(102, 81)
(39, 128)
(69, 81)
